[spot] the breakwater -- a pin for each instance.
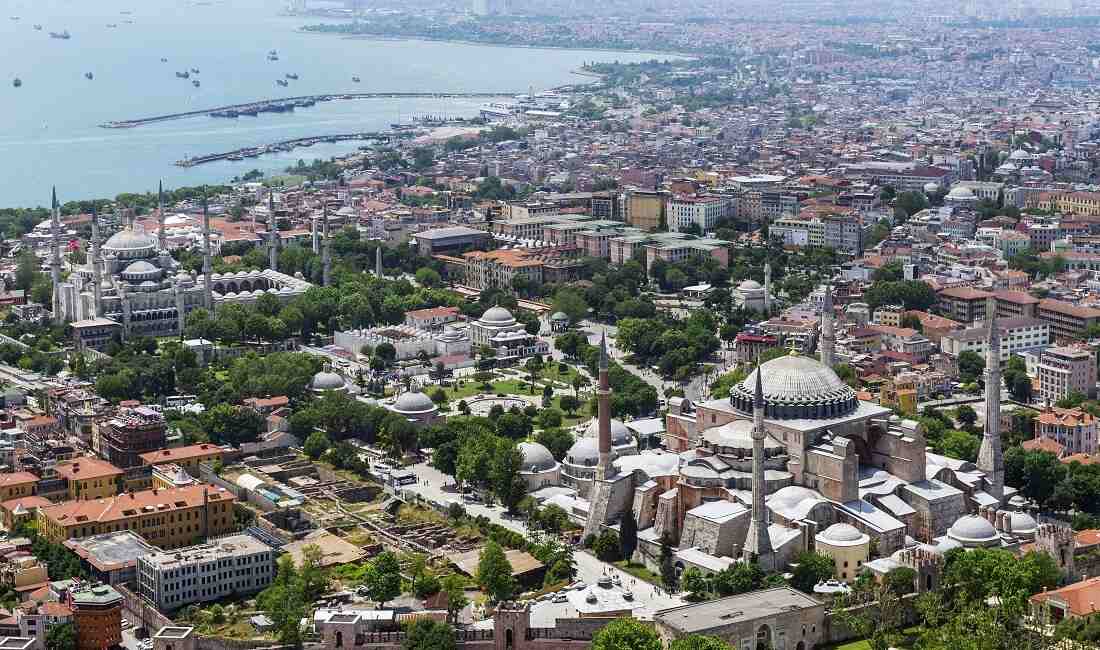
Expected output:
(286, 104)
(285, 145)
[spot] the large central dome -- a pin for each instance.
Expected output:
(796, 387)
(131, 243)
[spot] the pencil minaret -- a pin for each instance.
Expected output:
(97, 266)
(208, 285)
(990, 458)
(162, 237)
(272, 234)
(55, 260)
(326, 252)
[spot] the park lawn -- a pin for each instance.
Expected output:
(639, 571)
(567, 419)
(552, 372)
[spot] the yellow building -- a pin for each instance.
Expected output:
(847, 547)
(89, 478)
(188, 457)
(17, 484)
(165, 518)
(900, 394)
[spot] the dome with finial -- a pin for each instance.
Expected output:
(796, 387)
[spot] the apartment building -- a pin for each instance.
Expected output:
(1015, 303)
(844, 233)
(88, 477)
(902, 177)
(1087, 203)
(794, 231)
(1018, 335)
(17, 484)
(1074, 429)
(1065, 370)
(683, 212)
(964, 304)
(237, 564)
(130, 433)
(1067, 321)
(165, 518)
(528, 210)
(189, 458)
(501, 268)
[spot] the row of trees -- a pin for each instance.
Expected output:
(675, 346)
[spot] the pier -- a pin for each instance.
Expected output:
(285, 145)
(251, 109)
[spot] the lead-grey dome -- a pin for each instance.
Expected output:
(497, 316)
(536, 458)
(620, 435)
(841, 534)
(796, 387)
(973, 530)
(326, 380)
(584, 451)
(130, 241)
(738, 435)
(413, 402)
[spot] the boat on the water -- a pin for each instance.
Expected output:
(355, 79)
(62, 35)
(38, 28)
(112, 25)
(164, 59)
(194, 70)
(183, 75)
(282, 82)
(292, 75)
(195, 83)
(89, 75)
(17, 82)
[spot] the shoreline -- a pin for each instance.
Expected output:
(459, 41)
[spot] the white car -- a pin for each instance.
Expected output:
(560, 598)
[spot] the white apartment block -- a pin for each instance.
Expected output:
(237, 564)
(703, 211)
(1066, 370)
(1017, 336)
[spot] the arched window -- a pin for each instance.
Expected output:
(764, 638)
(339, 639)
(508, 640)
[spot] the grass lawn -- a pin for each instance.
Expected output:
(639, 571)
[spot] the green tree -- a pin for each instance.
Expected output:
(668, 569)
(316, 445)
(626, 634)
(571, 302)
(556, 441)
(61, 637)
(384, 578)
(456, 597)
(966, 415)
(606, 546)
(699, 642)
(227, 423)
(971, 366)
(628, 535)
(494, 573)
(427, 634)
(694, 583)
(812, 568)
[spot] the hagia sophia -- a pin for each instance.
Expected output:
(793, 461)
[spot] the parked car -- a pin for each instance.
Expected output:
(560, 598)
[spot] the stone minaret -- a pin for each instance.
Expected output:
(162, 237)
(990, 459)
(378, 261)
(181, 308)
(768, 288)
(758, 544)
(208, 284)
(272, 234)
(326, 251)
(828, 331)
(97, 267)
(55, 259)
(316, 234)
(603, 395)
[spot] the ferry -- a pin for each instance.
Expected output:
(62, 35)
(183, 75)
(496, 110)
(292, 75)
(282, 82)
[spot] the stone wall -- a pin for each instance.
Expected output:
(140, 612)
(713, 537)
